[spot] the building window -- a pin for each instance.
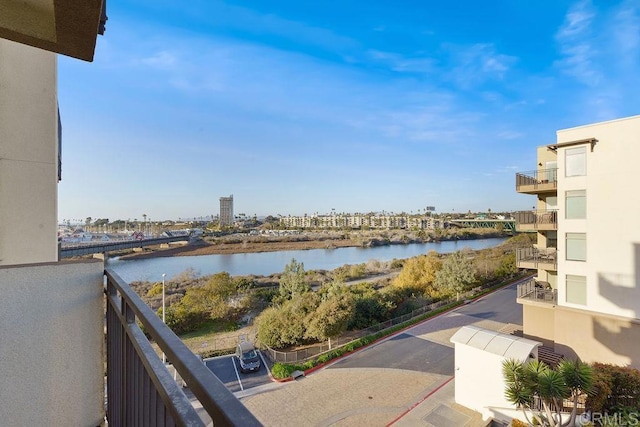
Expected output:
(576, 204)
(575, 161)
(576, 289)
(576, 247)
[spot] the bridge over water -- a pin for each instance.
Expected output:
(507, 224)
(68, 250)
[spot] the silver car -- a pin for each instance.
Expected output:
(248, 357)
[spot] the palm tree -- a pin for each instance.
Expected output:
(534, 380)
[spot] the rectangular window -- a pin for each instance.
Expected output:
(576, 289)
(552, 202)
(575, 163)
(551, 174)
(576, 247)
(576, 204)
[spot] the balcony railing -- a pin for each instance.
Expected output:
(532, 257)
(537, 291)
(140, 389)
(537, 181)
(542, 219)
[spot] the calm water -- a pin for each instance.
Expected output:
(266, 263)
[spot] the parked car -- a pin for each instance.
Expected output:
(248, 357)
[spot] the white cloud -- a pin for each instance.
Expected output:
(402, 63)
(601, 51)
(162, 60)
(473, 65)
(510, 134)
(626, 31)
(577, 46)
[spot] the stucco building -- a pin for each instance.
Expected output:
(586, 299)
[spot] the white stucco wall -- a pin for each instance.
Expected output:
(51, 344)
(613, 236)
(28, 154)
(479, 380)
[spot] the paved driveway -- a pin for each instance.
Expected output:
(227, 369)
(376, 385)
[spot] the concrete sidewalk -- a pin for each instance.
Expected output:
(356, 397)
(438, 409)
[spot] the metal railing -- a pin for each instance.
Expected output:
(305, 354)
(68, 250)
(531, 257)
(140, 389)
(538, 291)
(545, 219)
(567, 405)
(537, 178)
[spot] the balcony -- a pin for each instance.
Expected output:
(539, 220)
(140, 389)
(537, 182)
(533, 290)
(52, 355)
(535, 258)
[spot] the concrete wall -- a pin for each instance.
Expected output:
(479, 389)
(28, 155)
(51, 344)
(597, 338)
(538, 322)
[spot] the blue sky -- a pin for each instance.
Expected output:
(303, 107)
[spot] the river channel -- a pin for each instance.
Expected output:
(266, 263)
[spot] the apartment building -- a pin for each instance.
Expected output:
(358, 221)
(226, 211)
(585, 301)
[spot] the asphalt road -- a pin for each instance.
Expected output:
(227, 369)
(426, 347)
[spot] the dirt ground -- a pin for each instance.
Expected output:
(203, 248)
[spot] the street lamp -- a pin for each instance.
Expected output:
(164, 358)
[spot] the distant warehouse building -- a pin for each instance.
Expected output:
(226, 211)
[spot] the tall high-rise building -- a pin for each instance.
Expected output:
(585, 300)
(226, 211)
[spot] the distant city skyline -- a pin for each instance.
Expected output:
(244, 215)
(366, 106)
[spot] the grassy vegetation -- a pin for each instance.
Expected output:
(215, 337)
(284, 370)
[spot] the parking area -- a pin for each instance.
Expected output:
(227, 369)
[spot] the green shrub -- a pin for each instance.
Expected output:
(397, 263)
(616, 388)
(284, 370)
(215, 353)
(350, 347)
(322, 358)
(155, 290)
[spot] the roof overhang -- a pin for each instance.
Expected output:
(68, 27)
(554, 147)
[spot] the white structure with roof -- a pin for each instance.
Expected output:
(479, 384)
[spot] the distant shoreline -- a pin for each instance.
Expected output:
(227, 248)
(204, 248)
